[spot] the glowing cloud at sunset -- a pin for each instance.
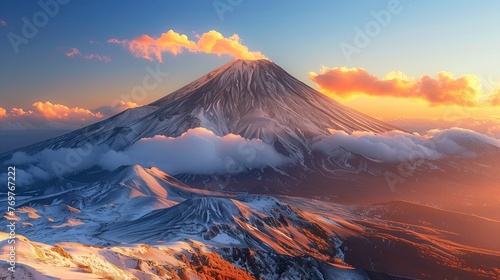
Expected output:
(47, 115)
(444, 89)
(214, 43)
(16, 112)
(211, 42)
(58, 111)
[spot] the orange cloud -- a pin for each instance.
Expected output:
(75, 52)
(146, 47)
(122, 106)
(19, 112)
(45, 115)
(213, 42)
(58, 111)
(174, 43)
(444, 89)
(54, 111)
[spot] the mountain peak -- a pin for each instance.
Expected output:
(241, 61)
(259, 99)
(260, 60)
(250, 98)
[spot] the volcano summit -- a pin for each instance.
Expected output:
(250, 98)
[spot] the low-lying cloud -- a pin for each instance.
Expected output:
(49, 164)
(211, 42)
(444, 89)
(458, 118)
(198, 151)
(397, 146)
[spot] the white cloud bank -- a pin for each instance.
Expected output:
(397, 146)
(198, 151)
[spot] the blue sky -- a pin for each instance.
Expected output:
(300, 36)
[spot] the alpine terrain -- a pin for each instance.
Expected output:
(248, 173)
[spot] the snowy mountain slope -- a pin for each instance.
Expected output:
(254, 99)
(180, 260)
(122, 185)
(256, 233)
(260, 234)
(67, 209)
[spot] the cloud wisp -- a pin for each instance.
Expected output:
(211, 42)
(74, 52)
(444, 89)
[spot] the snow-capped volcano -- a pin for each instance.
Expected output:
(258, 99)
(251, 98)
